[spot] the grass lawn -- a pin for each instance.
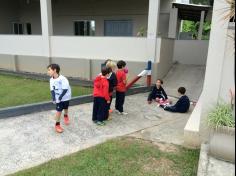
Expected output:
(122, 157)
(18, 90)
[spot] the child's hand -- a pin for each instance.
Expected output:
(108, 102)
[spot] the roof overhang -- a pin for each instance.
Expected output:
(191, 12)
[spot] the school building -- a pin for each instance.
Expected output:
(80, 34)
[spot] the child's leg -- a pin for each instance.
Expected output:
(117, 101)
(95, 109)
(58, 117)
(120, 99)
(59, 109)
(102, 110)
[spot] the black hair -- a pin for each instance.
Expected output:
(182, 90)
(160, 81)
(121, 64)
(55, 67)
(105, 71)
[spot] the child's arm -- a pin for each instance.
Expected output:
(65, 87)
(164, 93)
(53, 95)
(106, 92)
(151, 95)
(62, 94)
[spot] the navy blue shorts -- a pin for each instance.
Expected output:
(62, 105)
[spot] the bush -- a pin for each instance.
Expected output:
(221, 116)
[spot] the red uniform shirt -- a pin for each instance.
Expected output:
(101, 87)
(121, 78)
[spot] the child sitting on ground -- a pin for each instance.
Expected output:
(101, 97)
(158, 94)
(182, 104)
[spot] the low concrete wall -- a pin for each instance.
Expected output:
(74, 67)
(44, 106)
(191, 51)
(166, 58)
(191, 130)
(34, 64)
(7, 62)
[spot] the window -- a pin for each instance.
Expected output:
(118, 28)
(84, 28)
(28, 29)
(18, 28)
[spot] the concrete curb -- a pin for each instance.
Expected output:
(45, 106)
(203, 160)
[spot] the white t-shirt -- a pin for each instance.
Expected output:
(58, 85)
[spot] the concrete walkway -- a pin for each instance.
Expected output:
(189, 76)
(29, 140)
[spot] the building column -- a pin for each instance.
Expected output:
(201, 25)
(46, 23)
(173, 23)
(214, 65)
(153, 20)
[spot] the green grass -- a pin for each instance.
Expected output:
(121, 157)
(16, 90)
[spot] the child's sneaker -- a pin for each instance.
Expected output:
(66, 120)
(100, 123)
(59, 129)
(116, 111)
(123, 113)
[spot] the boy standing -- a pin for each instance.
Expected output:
(121, 87)
(61, 94)
(101, 97)
(182, 105)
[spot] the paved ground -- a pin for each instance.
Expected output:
(210, 166)
(189, 76)
(29, 140)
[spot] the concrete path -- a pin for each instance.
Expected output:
(189, 76)
(29, 140)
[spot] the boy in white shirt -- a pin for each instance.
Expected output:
(61, 94)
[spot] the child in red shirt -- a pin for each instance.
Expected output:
(101, 97)
(121, 87)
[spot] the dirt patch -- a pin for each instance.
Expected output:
(161, 166)
(166, 147)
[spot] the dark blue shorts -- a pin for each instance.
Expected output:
(62, 105)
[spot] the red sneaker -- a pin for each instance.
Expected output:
(59, 129)
(66, 120)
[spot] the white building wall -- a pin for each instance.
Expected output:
(228, 70)
(127, 48)
(191, 51)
